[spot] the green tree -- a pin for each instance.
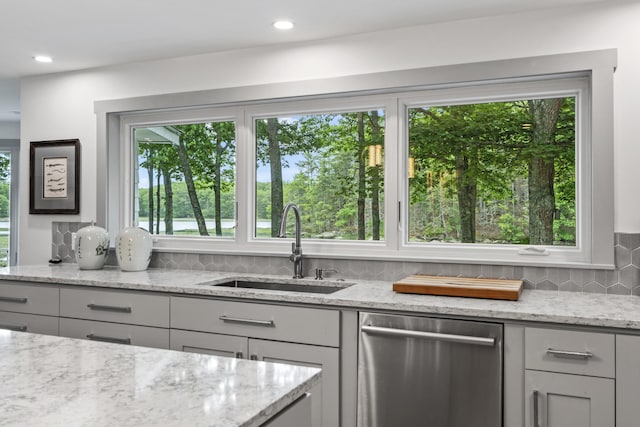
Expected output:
(542, 206)
(490, 148)
(191, 138)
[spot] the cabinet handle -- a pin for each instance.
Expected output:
(109, 308)
(14, 299)
(14, 328)
(247, 321)
(566, 354)
(535, 409)
(253, 357)
(239, 355)
(405, 333)
(94, 337)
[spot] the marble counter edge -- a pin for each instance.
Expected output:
(621, 312)
(249, 414)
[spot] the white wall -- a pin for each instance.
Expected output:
(61, 106)
(9, 130)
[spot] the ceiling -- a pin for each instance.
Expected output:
(81, 34)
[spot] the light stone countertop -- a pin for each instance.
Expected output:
(54, 381)
(568, 308)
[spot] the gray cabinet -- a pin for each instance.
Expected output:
(568, 378)
(565, 400)
(627, 380)
(135, 308)
(273, 333)
(135, 318)
(295, 415)
(207, 343)
(273, 322)
(29, 308)
(118, 333)
(46, 325)
(325, 402)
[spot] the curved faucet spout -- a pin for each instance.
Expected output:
(296, 248)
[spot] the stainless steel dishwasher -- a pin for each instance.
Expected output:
(421, 371)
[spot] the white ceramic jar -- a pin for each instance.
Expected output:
(133, 249)
(92, 247)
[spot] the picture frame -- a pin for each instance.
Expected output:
(54, 177)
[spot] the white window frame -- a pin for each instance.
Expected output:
(115, 118)
(12, 146)
(324, 106)
(560, 87)
(244, 240)
(129, 122)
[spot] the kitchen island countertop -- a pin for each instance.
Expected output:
(568, 308)
(55, 381)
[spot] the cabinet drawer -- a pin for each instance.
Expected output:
(23, 298)
(571, 352)
(115, 306)
(115, 332)
(34, 323)
(279, 323)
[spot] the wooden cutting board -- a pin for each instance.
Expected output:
(460, 287)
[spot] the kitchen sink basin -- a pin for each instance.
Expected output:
(326, 288)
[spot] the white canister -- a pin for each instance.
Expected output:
(133, 249)
(92, 247)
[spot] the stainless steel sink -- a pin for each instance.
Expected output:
(325, 288)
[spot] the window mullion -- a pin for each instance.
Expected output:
(245, 182)
(393, 171)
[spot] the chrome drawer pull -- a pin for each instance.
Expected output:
(14, 328)
(461, 339)
(566, 354)
(94, 337)
(13, 299)
(247, 321)
(109, 308)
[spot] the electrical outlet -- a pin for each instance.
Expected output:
(73, 241)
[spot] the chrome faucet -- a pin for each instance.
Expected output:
(296, 249)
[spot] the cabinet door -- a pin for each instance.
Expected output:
(325, 396)
(295, 415)
(627, 380)
(565, 400)
(205, 343)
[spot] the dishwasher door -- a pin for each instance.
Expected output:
(421, 371)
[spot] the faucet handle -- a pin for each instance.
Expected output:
(320, 271)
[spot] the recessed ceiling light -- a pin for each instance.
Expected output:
(283, 25)
(43, 59)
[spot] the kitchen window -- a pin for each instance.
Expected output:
(185, 178)
(497, 168)
(509, 170)
(330, 165)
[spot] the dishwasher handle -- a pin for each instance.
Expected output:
(461, 339)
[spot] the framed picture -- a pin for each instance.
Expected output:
(54, 177)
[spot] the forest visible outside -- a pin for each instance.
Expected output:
(499, 173)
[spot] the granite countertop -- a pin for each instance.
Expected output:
(58, 381)
(573, 308)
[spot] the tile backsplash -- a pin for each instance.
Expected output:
(61, 239)
(623, 280)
